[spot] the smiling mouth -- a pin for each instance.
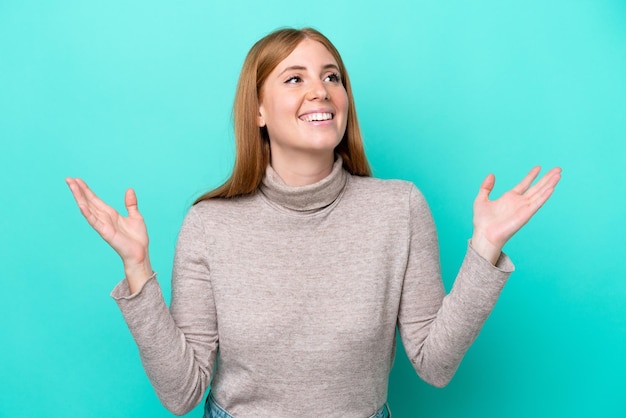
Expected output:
(316, 117)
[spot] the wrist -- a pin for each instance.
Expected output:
(138, 274)
(485, 248)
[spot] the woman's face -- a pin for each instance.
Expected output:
(303, 103)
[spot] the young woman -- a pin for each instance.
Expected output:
(290, 279)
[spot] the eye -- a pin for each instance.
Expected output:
(293, 79)
(333, 78)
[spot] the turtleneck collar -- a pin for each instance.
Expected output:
(308, 198)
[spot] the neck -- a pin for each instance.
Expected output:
(302, 169)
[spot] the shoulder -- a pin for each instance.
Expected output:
(221, 210)
(399, 202)
(380, 199)
(381, 190)
(219, 204)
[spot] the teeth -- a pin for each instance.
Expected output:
(313, 117)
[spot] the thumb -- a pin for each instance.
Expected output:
(130, 200)
(486, 187)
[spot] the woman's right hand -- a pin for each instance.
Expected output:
(128, 236)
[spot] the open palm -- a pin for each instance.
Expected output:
(496, 221)
(128, 236)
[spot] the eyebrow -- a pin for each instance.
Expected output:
(302, 68)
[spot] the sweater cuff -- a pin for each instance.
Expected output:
(136, 306)
(477, 288)
(122, 290)
(479, 282)
(503, 264)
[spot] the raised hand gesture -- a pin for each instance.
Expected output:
(495, 221)
(128, 236)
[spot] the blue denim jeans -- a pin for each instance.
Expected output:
(213, 410)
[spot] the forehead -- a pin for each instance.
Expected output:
(308, 53)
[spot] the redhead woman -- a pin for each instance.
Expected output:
(290, 279)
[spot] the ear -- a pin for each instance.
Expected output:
(260, 119)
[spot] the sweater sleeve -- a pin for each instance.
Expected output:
(437, 329)
(177, 346)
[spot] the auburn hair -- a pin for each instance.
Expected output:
(251, 141)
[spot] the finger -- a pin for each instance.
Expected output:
(550, 179)
(86, 191)
(76, 190)
(79, 197)
(527, 181)
(93, 200)
(79, 190)
(130, 200)
(91, 218)
(96, 212)
(539, 200)
(541, 196)
(81, 200)
(486, 187)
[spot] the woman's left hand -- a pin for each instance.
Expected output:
(495, 221)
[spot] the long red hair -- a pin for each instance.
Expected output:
(252, 142)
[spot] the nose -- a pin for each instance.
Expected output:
(317, 91)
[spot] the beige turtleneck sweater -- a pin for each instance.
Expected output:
(297, 292)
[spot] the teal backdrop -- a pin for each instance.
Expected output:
(139, 94)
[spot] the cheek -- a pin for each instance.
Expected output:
(341, 100)
(283, 107)
(342, 103)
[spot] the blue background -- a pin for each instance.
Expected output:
(139, 94)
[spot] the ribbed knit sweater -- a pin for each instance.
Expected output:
(288, 299)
